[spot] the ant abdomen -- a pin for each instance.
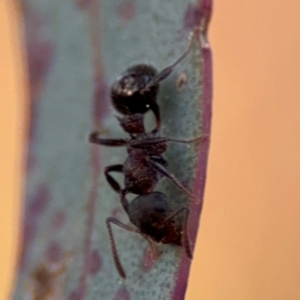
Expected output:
(154, 219)
(127, 94)
(151, 213)
(146, 176)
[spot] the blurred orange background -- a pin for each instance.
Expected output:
(249, 242)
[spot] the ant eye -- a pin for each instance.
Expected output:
(160, 206)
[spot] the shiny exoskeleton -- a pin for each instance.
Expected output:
(155, 220)
(135, 90)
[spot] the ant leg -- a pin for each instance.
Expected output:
(197, 139)
(94, 139)
(124, 201)
(148, 142)
(159, 159)
(162, 140)
(163, 74)
(174, 180)
(185, 236)
(112, 182)
(115, 254)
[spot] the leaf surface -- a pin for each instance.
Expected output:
(75, 50)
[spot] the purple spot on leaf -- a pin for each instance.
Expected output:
(127, 10)
(39, 202)
(83, 4)
(40, 49)
(29, 233)
(37, 205)
(122, 294)
(40, 54)
(95, 262)
(76, 295)
(54, 252)
(59, 220)
(101, 99)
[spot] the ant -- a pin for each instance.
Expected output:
(133, 94)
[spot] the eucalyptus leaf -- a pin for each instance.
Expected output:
(75, 50)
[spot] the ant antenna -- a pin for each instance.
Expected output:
(175, 181)
(168, 70)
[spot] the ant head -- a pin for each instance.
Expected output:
(128, 96)
(149, 213)
(132, 124)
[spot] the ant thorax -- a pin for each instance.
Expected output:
(141, 141)
(150, 143)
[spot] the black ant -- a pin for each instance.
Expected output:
(133, 93)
